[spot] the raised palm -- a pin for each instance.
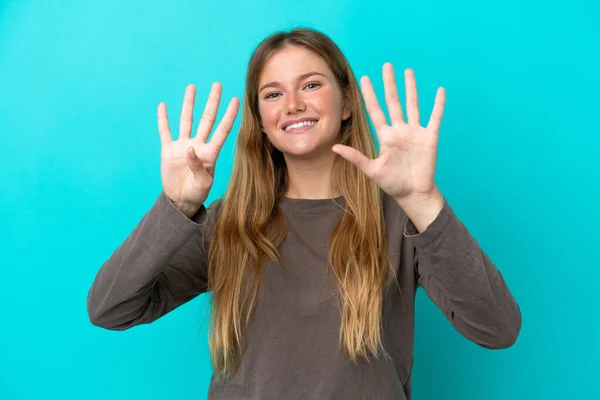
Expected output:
(188, 163)
(408, 151)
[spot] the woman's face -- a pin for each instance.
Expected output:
(300, 103)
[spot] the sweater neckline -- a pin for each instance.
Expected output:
(311, 206)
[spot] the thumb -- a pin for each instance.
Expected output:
(354, 156)
(193, 161)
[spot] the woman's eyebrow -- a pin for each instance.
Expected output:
(299, 78)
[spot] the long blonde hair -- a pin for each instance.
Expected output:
(250, 226)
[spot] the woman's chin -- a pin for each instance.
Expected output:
(305, 148)
(305, 152)
(299, 153)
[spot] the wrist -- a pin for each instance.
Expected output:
(189, 210)
(422, 209)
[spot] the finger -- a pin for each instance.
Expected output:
(226, 124)
(193, 161)
(163, 125)
(391, 94)
(438, 111)
(373, 108)
(187, 112)
(354, 156)
(412, 101)
(210, 113)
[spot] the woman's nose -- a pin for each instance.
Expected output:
(294, 103)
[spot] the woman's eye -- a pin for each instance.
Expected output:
(308, 86)
(312, 85)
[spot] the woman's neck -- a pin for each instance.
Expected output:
(310, 178)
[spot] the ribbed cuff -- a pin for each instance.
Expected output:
(179, 219)
(437, 227)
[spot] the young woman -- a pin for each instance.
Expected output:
(315, 252)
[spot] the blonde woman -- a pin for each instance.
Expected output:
(315, 252)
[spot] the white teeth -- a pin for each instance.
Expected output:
(300, 124)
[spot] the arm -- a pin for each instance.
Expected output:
(160, 266)
(461, 279)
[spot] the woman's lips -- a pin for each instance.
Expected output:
(301, 129)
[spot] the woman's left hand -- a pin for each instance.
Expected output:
(406, 164)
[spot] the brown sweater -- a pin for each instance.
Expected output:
(292, 341)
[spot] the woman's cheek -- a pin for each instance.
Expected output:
(269, 118)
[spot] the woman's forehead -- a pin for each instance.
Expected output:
(292, 63)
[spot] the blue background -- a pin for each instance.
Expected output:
(79, 166)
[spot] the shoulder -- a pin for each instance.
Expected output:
(213, 210)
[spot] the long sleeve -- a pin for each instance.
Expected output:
(161, 265)
(462, 281)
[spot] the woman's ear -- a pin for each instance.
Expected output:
(346, 105)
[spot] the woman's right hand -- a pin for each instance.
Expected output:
(187, 165)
